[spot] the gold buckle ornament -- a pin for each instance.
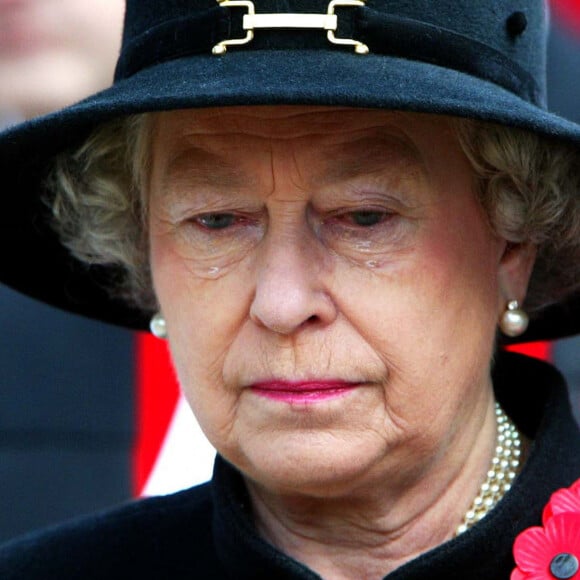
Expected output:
(253, 21)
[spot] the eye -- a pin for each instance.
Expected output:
(216, 221)
(367, 218)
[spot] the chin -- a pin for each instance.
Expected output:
(313, 468)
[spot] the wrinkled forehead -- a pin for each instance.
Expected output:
(222, 141)
(291, 121)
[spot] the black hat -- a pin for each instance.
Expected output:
(484, 60)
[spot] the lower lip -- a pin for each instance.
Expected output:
(303, 393)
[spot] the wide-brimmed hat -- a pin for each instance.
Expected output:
(484, 60)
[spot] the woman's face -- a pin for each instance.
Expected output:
(331, 289)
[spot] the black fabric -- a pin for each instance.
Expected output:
(175, 39)
(383, 33)
(485, 22)
(207, 532)
(415, 40)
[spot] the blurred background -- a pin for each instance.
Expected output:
(83, 420)
(564, 99)
(90, 414)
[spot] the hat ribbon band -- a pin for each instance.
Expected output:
(383, 34)
(411, 39)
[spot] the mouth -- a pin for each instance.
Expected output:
(305, 392)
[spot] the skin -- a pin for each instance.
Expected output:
(304, 243)
(54, 52)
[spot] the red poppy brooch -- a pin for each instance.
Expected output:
(553, 550)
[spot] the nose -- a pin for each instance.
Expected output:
(290, 289)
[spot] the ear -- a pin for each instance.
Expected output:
(514, 271)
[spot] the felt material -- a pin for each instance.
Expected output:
(472, 63)
(207, 532)
(383, 34)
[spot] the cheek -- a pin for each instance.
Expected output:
(203, 315)
(203, 319)
(435, 303)
(459, 260)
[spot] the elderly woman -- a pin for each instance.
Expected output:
(334, 213)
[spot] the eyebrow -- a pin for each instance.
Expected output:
(198, 167)
(373, 154)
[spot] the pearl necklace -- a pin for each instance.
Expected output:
(504, 468)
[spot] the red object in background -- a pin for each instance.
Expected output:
(157, 397)
(541, 350)
(568, 13)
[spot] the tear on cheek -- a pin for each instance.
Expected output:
(210, 269)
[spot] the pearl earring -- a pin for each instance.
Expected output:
(158, 326)
(514, 321)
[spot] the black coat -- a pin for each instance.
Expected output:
(207, 532)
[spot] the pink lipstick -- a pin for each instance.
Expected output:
(302, 391)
